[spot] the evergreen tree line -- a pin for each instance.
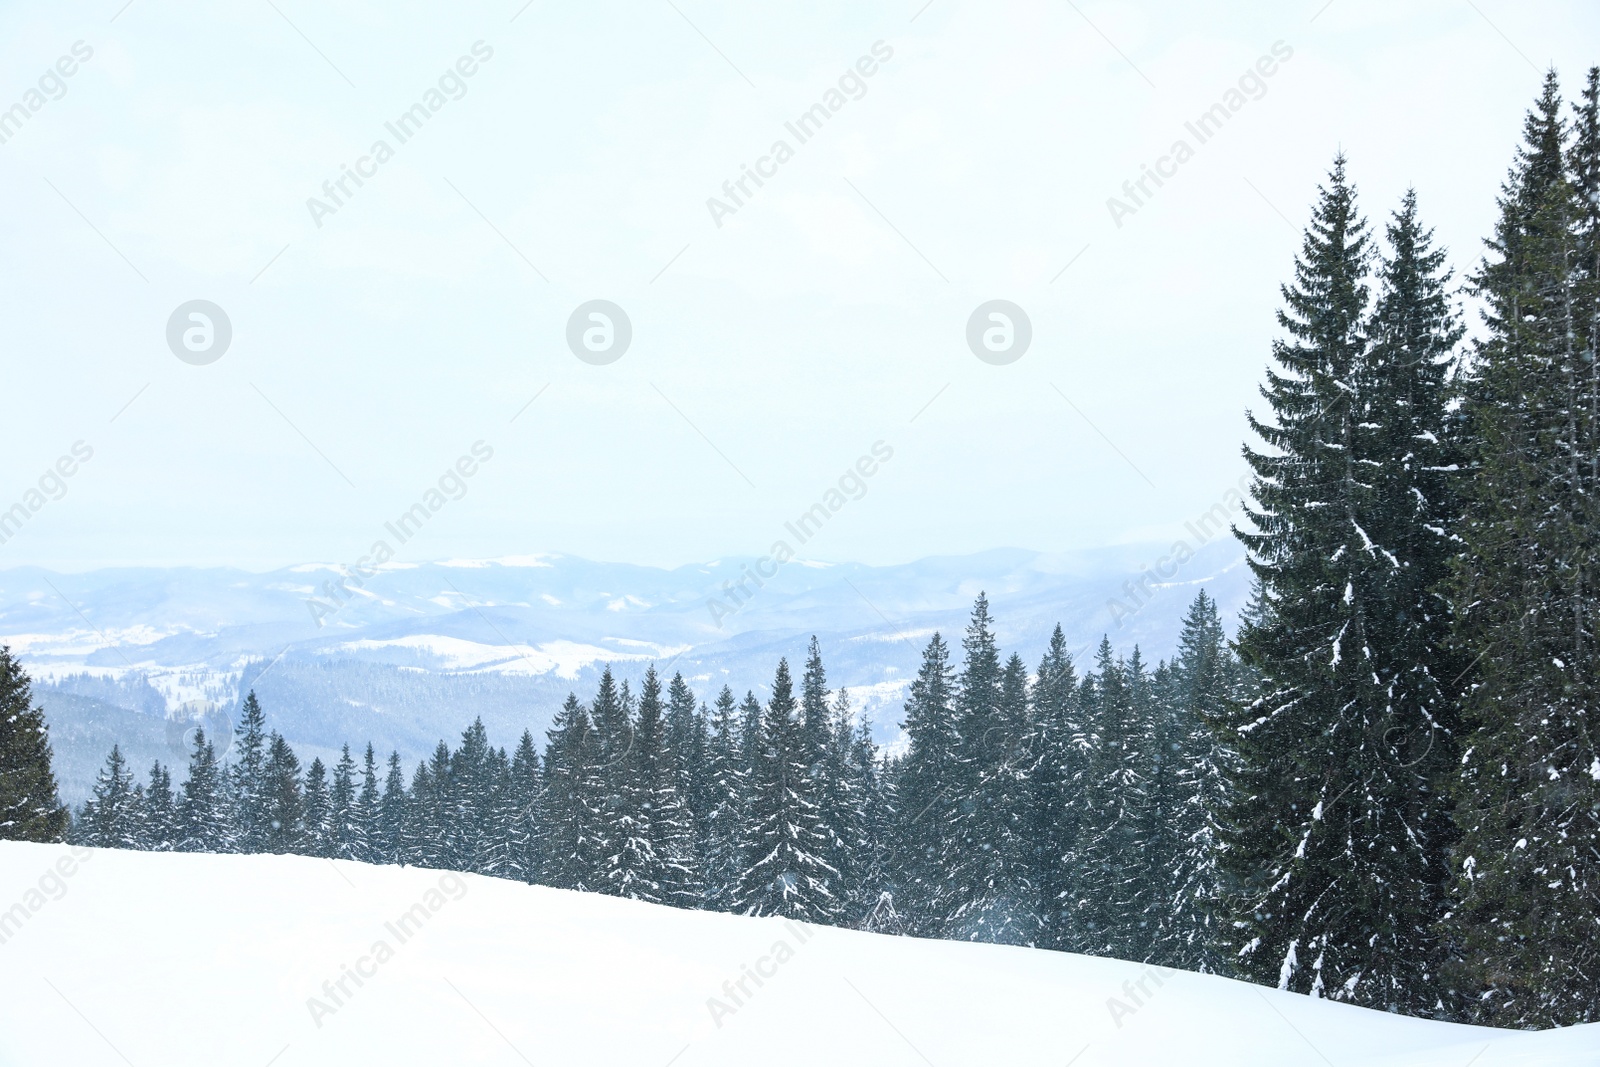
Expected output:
(1038, 808)
(1414, 815)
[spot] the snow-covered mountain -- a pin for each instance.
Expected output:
(403, 654)
(122, 958)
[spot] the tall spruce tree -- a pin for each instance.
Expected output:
(1162, 757)
(159, 832)
(987, 869)
(866, 887)
(728, 779)
(1057, 776)
(784, 869)
(1110, 863)
(634, 864)
(369, 812)
(520, 823)
(573, 843)
(1527, 592)
(285, 799)
(318, 837)
(1206, 683)
(29, 807)
(347, 828)
(113, 817)
(1341, 836)
(474, 774)
(389, 842)
(204, 816)
(249, 773)
(928, 794)
(847, 792)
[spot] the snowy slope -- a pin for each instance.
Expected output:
(160, 959)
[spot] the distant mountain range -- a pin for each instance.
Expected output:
(409, 653)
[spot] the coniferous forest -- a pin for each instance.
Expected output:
(1384, 788)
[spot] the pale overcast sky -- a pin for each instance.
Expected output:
(373, 344)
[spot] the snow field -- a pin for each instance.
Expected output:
(116, 958)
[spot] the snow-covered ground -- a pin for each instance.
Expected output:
(145, 959)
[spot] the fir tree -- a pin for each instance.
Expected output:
(520, 821)
(204, 823)
(784, 872)
(1057, 778)
(474, 774)
(159, 832)
(927, 788)
(727, 776)
(250, 789)
(1206, 683)
(431, 837)
(866, 885)
(814, 702)
(987, 865)
(285, 800)
(390, 842)
(29, 807)
(634, 865)
(318, 836)
(367, 834)
(347, 829)
(573, 845)
(1340, 838)
(1108, 856)
(848, 797)
(113, 817)
(1160, 756)
(1528, 894)
(656, 775)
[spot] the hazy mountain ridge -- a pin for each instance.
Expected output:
(418, 651)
